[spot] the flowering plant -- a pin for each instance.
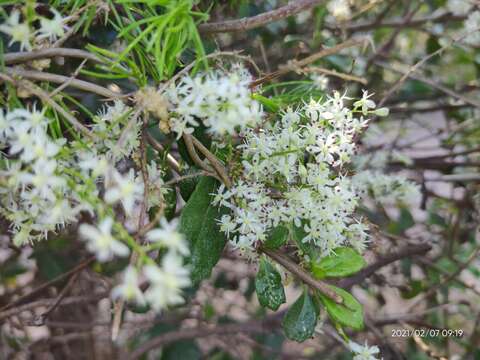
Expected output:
(147, 179)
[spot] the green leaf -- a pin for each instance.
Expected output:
(269, 287)
(349, 313)
(276, 238)
(170, 199)
(300, 320)
(298, 234)
(198, 223)
(269, 104)
(344, 262)
(187, 186)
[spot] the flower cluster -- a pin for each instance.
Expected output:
(371, 178)
(24, 34)
(34, 195)
(221, 101)
(292, 176)
(166, 281)
(46, 183)
(386, 188)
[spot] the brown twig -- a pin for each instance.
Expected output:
(22, 299)
(296, 270)
(37, 91)
(292, 8)
(188, 139)
(348, 77)
(171, 161)
(68, 82)
(217, 165)
(60, 79)
(297, 64)
(20, 57)
(473, 256)
(400, 23)
(49, 302)
(254, 326)
(431, 83)
(410, 250)
(40, 320)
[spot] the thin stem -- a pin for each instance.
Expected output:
(20, 57)
(296, 270)
(217, 165)
(253, 22)
(60, 79)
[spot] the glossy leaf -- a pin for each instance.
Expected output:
(268, 285)
(199, 224)
(349, 313)
(344, 261)
(301, 318)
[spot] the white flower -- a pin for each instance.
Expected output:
(166, 283)
(288, 178)
(339, 9)
(42, 180)
(365, 103)
(363, 352)
(320, 81)
(52, 28)
(222, 101)
(126, 189)
(459, 7)
(129, 289)
(19, 32)
(101, 241)
(169, 237)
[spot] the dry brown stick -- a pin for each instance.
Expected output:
(335, 73)
(193, 153)
(37, 91)
(409, 250)
(217, 165)
(420, 63)
(296, 270)
(447, 279)
(19, 57)
(49, 302)
(292, 8)
(432, 83)
(204, 331)
(296, 64)
(68, 82)
(400, 23)
(22, 299)
(60, 79)
(40, 320)
(171, 161)
(441, 270)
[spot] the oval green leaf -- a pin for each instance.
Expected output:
(198, 223)
(344, 262)
(269, 287)
(349, 313)
(300, 320)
